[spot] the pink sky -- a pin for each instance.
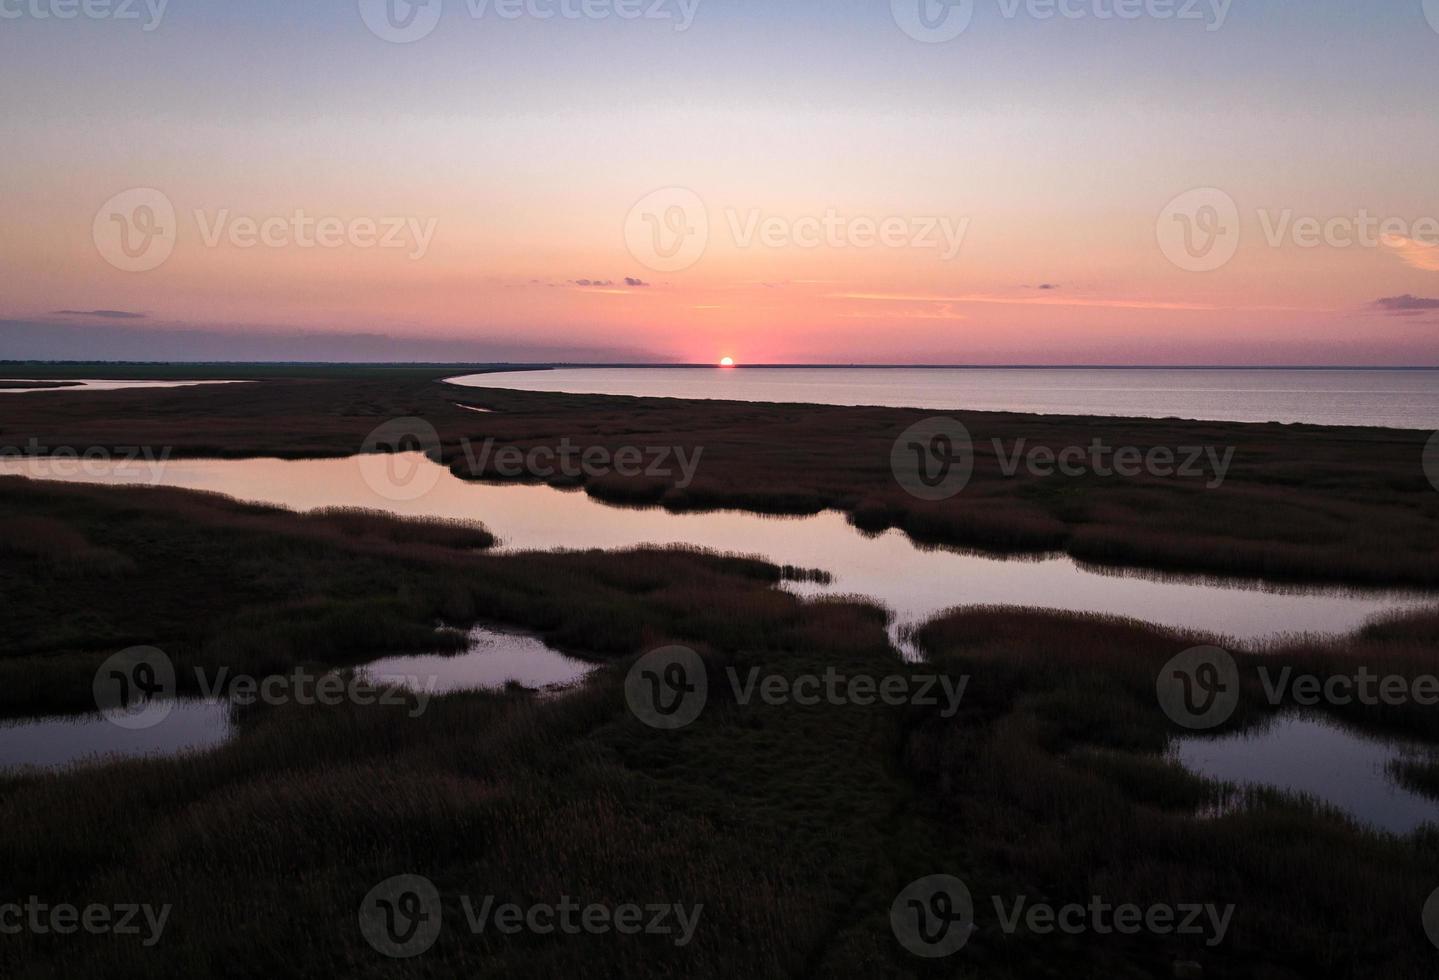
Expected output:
(517, 158)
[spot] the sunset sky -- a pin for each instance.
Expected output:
(516, 157)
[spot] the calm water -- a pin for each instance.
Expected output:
(493, 658)
(914, 583)
(1400, 399)
(58, 741)
(78, 384)
(1331, 762)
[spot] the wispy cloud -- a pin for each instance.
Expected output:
(609, 285)
(1406, 305)
(103, 314)
(1420, 255)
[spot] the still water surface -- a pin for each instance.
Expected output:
(1400, 399)
(1318, 757)
(492, 659)
(59, 741)
(91, 384)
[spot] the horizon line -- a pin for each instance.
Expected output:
(764, 365)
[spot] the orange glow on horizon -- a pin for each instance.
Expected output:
(726, 362)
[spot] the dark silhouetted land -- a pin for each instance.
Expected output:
(794, 826)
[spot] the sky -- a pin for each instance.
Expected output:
(780, 181)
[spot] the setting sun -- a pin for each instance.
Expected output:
(726, 362)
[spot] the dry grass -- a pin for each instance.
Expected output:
(1055, 774)
(794, 826)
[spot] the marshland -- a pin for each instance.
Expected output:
(719, 489)
(793, 825)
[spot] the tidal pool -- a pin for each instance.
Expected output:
(60, 741)
(493, 659)
(1319, 757)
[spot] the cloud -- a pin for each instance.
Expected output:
(1420, 255)
(629, 281)
(106, 314)
(1117, 304)
(1406, 305)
